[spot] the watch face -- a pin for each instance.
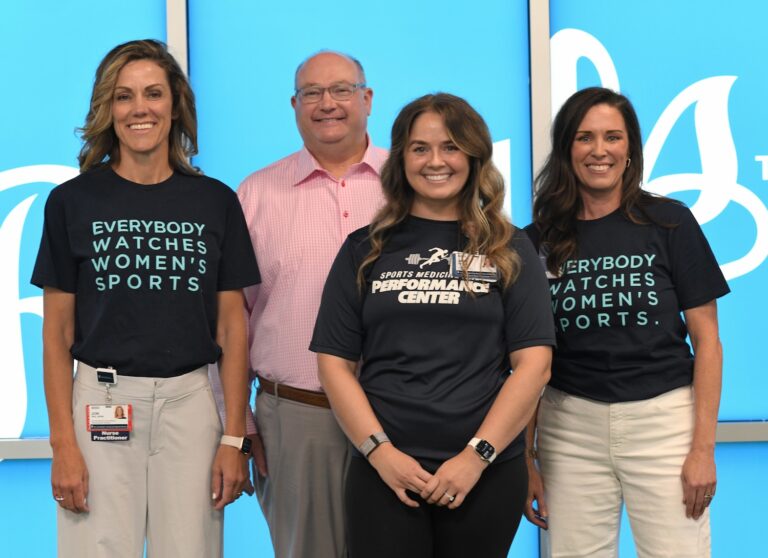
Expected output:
(246, 447)
(485, 449)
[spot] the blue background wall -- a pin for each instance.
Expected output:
(242, 58)
(242, 64)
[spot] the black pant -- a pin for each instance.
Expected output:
(380, 525)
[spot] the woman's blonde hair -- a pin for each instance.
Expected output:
(481, 200)
(101, 145)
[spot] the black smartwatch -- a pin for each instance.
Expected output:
(242, 444)
(484, 449)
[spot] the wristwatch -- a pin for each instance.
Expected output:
(242, 444)
(484, 450)
(372, 442)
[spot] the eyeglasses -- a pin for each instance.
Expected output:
(339, 92)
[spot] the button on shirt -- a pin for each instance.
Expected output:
(298, 216)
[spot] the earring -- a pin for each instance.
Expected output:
(629, 160)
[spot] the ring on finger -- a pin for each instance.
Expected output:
(59, 498)
(450, 498)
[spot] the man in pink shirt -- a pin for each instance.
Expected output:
(299, 211)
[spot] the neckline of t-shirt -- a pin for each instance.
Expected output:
(424, 222)
(593, 222)
(141, 187)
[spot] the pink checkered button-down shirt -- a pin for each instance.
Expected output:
(298, 216)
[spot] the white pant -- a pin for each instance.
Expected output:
(594, 456)
(157, 484)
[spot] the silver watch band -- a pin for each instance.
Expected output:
(371, 443)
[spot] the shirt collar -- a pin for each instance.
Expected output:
(307, 166)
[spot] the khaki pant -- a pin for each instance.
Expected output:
(307, 461)
(157, 485)
(595, 456)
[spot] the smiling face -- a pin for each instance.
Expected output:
(330, 128)
(599, 154)
(436, 169)
(142, 112)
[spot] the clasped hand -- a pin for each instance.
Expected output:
(448, 487)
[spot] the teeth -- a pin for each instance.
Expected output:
(437, 177)
(146, 126)
(599, 167)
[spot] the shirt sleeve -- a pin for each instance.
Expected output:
(695, 272)
(55, 266)
(339, 328)
(238, 267)
(527, 311)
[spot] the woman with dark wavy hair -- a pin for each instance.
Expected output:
(630, 413)
(142, 261)
(439, 299)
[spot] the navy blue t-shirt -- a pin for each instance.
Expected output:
(618, 304)
(146, 263)
(433, 356)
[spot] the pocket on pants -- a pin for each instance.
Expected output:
(213, 408)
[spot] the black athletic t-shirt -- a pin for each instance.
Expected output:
(145, 264)
(433, 357)
(617, 306)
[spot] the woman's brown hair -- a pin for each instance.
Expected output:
(487, 229)
(557, 200)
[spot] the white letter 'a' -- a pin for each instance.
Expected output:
(13, 385)
(717, 182)
(567, 46)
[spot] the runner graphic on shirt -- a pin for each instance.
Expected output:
(438, 255)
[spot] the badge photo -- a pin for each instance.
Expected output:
(109, 423)
(478, 267)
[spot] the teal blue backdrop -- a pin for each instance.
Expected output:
(692, 69)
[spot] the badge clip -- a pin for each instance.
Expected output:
(108, 378)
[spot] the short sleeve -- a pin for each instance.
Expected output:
(695, 272)
(55, 266)
(527, 307)
(339, 328)
(237, 267)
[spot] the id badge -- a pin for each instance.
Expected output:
(109, 423)
(479, 267)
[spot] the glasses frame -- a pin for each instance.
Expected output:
(299, 93)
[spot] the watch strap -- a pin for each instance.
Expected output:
(372, 442)
(242, 444)
(484, 449)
